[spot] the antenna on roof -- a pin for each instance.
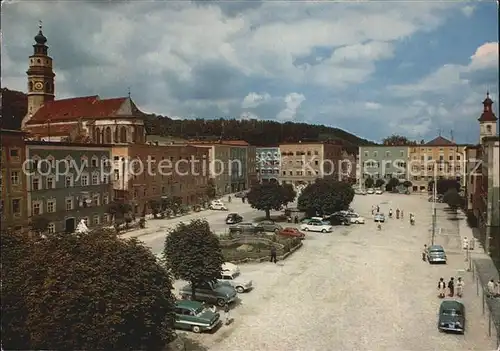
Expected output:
(129, 93)
(451, 135)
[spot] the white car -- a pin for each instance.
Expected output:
(218, 206)
(357, 219)
(234, 279)
(370, 191)
(379, 192)
(316, 226)
(228, 267)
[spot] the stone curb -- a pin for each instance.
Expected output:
(266, 258)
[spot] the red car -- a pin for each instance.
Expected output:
(292, 232)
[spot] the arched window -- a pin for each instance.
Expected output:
(488, 128)
(123, 134)
(97, 135)
(117, 135)
(134, 134)
(107, 136)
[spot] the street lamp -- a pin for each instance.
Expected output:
(434, 195)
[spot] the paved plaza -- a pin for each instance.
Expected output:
(355, 289)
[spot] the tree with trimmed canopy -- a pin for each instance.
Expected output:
(90, 291)
(325, 196)
(270, 196)
(192, 252)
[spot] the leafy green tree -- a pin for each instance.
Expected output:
(369, 182)
(270, 196)
(119, 210)
(211, 190)
(325, 196)
(155, 206)
(407, 184)
(443, 185)
(379, 183)
(452, 198)
(193, 253)
(39, 224)
(392, 184)
(90, 291)
(397, 140)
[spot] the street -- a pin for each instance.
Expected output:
(355, 289)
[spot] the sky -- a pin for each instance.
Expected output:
(372, 68)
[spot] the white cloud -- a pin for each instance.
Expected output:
(248, 115)
(293, 102)
(468, 10)
(372, 105)
(486, 56)
(254, 99)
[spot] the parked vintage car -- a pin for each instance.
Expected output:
(270, 226)
(451, 316)
(236, 281)
(246, 228)
(192, 315)
(233, 218)
(218, 206)
(436, 254)
(370, 191)
(379, 217)
(241, 194)
(356, 218)
(315, 225)
(338, 219)
(211, 292)
(379, 191)
(292, 232)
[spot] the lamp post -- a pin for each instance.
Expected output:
(434, 195)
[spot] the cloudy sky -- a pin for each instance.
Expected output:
(371, 68)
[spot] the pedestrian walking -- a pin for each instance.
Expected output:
(441, 288)
(273, 254)
(296, 219)
(229, 199)
(424, 253)
(227, 317)
(491, 288)
(451, 287)
(402, 214)
(378, 209)
(397, 213)
(460, 287)
(390, 213)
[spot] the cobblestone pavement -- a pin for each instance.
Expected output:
(354, 289)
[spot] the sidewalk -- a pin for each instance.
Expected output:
(483, 269)
(159, 224)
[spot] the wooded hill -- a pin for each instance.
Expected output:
(255, 132)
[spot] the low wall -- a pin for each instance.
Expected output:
(260, 256)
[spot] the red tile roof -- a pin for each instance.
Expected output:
(440, 141)
(222, 142)
(76, 108)
(53, 130)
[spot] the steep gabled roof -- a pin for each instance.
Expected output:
(440, 141)
(80, 107)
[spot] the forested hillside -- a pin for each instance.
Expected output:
(261, 133)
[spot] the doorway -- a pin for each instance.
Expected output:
(69, 225)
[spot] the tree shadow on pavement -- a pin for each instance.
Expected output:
(193, 345)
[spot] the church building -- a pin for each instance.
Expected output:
(88, 119)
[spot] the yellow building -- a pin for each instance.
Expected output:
(440, 158)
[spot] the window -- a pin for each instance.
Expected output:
(95, 178)
(366, 153)
(95, 220)
(14, 178)
(375, 153)
(388, 154)
(69, 203)
(95, 161)
(69, 181)
(429, 158)
(51, 206)
(85, 180)
(51, 228)
(16, 206)
(35, 184)
(401, 153)
(51, 161)
(14, 153)
(51, 183)
(117, 174)
(37, 208)
(316, 153)
(316, 163)
(96, 200)
(458, 157)
(441, 158)
(105, 199)
(105, 179)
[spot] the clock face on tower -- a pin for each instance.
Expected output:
(38, 86)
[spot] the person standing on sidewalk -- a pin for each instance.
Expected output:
(227, 317)
(491, 287)
(451, 287)
(273, 254)
(441, 287)
(424, 253)
(460, 287)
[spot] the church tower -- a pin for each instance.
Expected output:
(488, 120)
(40, 76)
